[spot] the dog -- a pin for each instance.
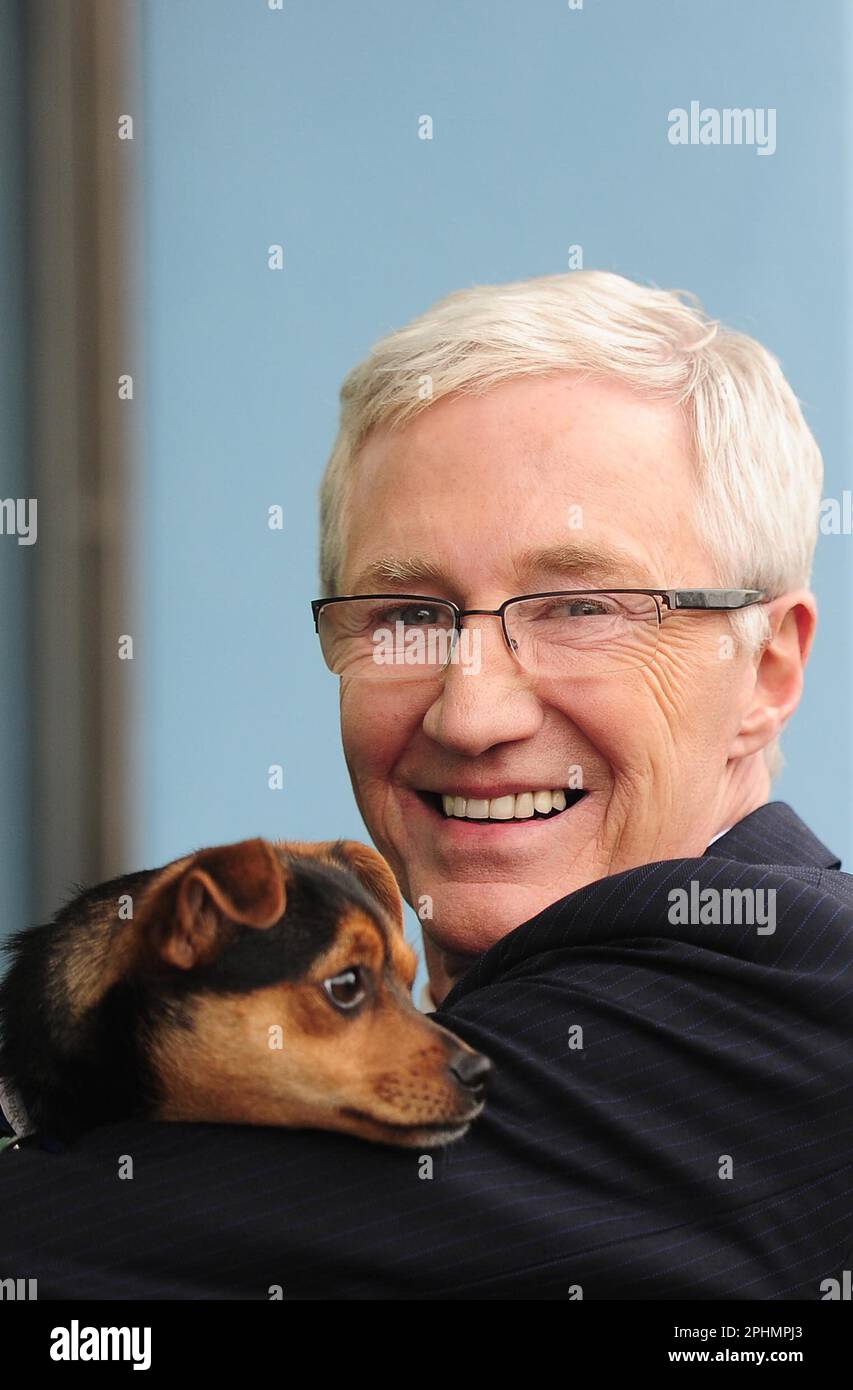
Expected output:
(261, 982)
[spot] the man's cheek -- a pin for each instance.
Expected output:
(629, 735)
(683, 688)
(644, 764)
(365, 731)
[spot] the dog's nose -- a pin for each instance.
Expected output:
(471, 1068)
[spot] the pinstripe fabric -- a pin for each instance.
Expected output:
(596, 1167)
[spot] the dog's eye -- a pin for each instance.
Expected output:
(345, 990)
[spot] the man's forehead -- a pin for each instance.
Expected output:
(530, 412)
(585, 481)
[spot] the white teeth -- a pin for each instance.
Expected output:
(518, 807)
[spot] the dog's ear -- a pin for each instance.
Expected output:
(374, 873)
(239, 884)
(366, 864)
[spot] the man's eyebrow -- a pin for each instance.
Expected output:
(601, 563)
(609, 563)
(394, 569)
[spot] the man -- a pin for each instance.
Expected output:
(567, 531)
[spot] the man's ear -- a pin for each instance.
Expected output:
(779, 671)
(366, 863)
(190, 917)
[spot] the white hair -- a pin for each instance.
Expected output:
(759, 470)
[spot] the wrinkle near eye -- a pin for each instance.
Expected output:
(682, 653)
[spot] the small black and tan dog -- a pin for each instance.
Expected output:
(255, 983)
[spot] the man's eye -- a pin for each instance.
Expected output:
(414, 615)
(347, 989)
(585, 608)
(557, 611)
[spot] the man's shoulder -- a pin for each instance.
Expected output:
(774, 839)
(766, 888)
(773, 834)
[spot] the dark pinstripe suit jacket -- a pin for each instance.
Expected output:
(707, 1049)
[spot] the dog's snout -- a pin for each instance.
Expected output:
(471, 1068)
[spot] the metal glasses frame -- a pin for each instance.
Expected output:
(675, 601)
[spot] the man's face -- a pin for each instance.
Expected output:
(466, 489)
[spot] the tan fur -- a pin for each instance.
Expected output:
(366, 1075)
(380, 1071)
(367, 864)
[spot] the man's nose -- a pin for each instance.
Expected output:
(486, 697)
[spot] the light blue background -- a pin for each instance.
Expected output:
(300, 127)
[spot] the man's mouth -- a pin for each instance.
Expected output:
(539, 805)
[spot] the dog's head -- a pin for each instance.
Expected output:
(288, 983)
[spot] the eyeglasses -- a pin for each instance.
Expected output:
(566, 632)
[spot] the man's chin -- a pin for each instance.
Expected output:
(468, 918)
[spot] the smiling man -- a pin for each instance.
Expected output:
(583, 516)
(593, 473)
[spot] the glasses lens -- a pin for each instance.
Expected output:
(377, 638)
(584, 634)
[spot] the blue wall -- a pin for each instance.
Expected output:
(300, 127)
